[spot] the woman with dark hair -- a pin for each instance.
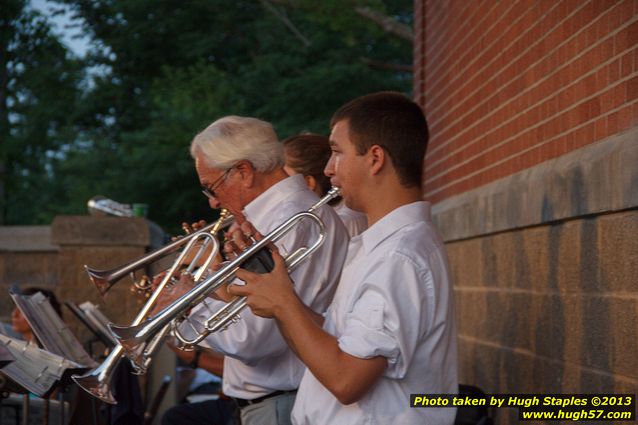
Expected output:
(308, 154)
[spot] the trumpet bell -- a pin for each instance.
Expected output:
(97, 382)
(99, 279)
(127, 337)
(96, 385)
(105, 279)
(132, 337)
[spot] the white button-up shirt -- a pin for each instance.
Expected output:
(354, 221)
(258, 361)
(395, 300)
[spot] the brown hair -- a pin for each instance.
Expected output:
(308, 155)
(394, 122)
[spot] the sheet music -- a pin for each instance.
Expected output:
(35, 369)
(54, 335)
(93, 319)
(5, 356)
(98, 319)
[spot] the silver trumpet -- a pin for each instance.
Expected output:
(97, 382)
(105, 279)
(132, 337)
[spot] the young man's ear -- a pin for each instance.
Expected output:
(378, 157)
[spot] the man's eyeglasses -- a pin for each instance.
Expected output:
(209, 190)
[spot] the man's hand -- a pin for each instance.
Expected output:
(189, 228)
(239, 238)
(267, 294)
(172, 292)
(221, 293)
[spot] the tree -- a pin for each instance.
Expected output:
(167, 68)
(39, 88)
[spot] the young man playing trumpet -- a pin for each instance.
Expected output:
(239, 162)
(390, 330)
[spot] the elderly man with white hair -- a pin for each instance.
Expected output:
(239, 162)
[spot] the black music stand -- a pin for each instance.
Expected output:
(95, 321)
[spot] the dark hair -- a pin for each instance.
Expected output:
(308, 155)
(48, 294)
(394, 122)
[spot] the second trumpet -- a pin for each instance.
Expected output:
(131, 337)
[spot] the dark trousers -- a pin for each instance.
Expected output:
(210, 412)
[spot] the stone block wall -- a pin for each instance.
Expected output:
(27, 258)
(546, 277)
(53, 257)
(550, 309)
(101, 243)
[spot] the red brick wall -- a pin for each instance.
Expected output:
(508, 85)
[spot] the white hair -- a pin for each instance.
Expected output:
(231, 139)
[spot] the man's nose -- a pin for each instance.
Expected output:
(214, 203)
(329, 169)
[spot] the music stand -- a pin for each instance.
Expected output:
(5, 356)
(37, 371)
(95, 321)
(54, 335)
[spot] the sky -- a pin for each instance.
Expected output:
(72, 37)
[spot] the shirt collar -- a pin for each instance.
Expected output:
(261, 207)
(392, 222)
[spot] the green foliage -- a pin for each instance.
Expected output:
(164, 69)
(39, 94)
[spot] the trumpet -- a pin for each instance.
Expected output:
(97, 382)
(132, 337)
(105, 279)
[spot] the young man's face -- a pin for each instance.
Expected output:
(346, 168)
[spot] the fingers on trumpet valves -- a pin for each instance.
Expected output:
(250, 232)
(222, 293)
(217, 266)
(231, 250)
(185, 278)
(187, 228)
(240, 239)
(199, 224)
(193, 227)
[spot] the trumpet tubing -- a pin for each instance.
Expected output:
(97, 381)
(131, 337)
(105, 279)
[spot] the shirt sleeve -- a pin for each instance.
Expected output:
(387, 315)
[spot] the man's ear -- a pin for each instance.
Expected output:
(246, 172)
(378, 157)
